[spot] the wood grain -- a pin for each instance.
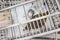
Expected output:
(4, 19)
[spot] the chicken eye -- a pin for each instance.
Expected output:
(30, 13)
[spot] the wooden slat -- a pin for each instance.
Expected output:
(4, 19)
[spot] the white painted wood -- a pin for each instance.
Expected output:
(52, 36)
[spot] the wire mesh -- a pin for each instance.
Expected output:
(7, 3)
(29, 19)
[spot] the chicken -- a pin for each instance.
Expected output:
(32, 15)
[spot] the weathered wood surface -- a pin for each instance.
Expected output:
(4, 19)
